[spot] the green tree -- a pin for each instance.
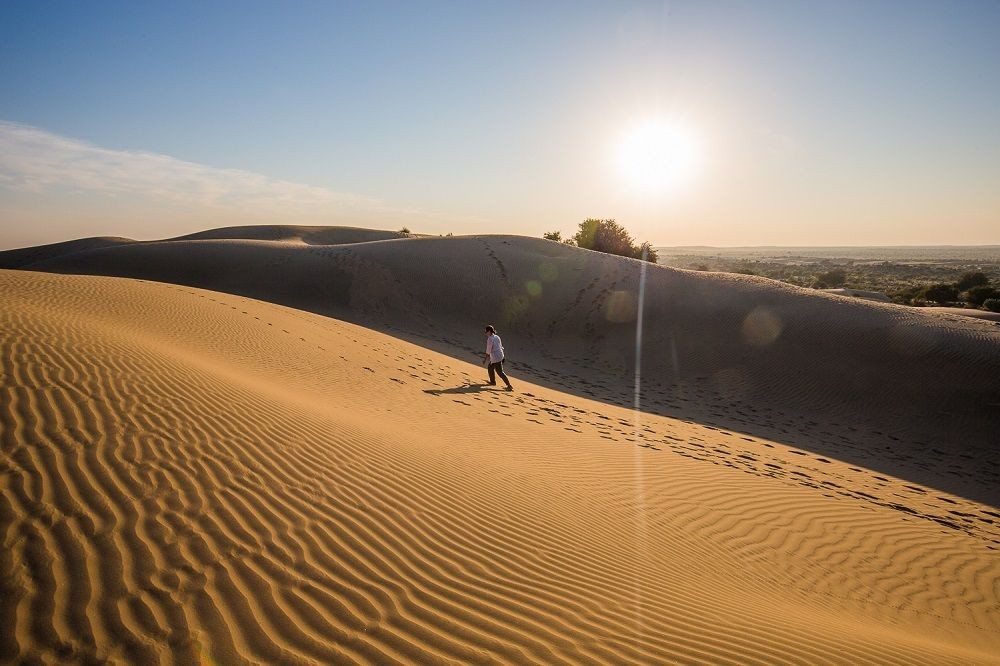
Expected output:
(992, 304)
(611, 238)
(835, 278)
(971, 279)
(907, 296)
(584, 236)
(940, 293)
(979, 294)
(553, 236)
(648, 252)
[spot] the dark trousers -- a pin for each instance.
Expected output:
(498, 369)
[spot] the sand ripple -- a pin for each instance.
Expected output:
(190, 477)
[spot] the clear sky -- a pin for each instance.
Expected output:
(810, 123)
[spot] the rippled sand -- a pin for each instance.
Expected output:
(195, 477)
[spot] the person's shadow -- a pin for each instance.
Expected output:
(464, 388)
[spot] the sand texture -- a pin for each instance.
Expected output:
(964, 312)
(195, 477)
(878, 385)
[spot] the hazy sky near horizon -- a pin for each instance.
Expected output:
(848, 123)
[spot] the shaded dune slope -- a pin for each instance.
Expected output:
(309, 235)
(876, 384)
(28, 255)
(192, 477)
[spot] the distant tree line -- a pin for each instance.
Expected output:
(606, 236)
(971, 289)
(918, 283)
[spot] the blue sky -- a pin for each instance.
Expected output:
(818, 123)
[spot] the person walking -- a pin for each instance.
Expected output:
(493, 359)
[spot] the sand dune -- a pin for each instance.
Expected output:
(195, 477)
(30, 255)
(294, 233)
(874, 384)
(859, 293)
(25, 257)
(963, 312)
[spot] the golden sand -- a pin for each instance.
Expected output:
(195, 477)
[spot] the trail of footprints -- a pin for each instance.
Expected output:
(747, 453)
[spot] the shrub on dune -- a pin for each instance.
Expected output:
(611, 238)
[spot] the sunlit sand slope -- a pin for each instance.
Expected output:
(878, 384)
(193, 477)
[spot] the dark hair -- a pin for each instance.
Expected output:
(490, 329)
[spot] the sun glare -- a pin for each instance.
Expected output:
(658, 156)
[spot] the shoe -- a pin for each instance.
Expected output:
(510, 388)
(491, 383)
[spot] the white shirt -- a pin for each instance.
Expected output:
(494, 348)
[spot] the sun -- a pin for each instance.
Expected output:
(658, 156)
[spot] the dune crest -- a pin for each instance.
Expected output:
(879, 385)
(189, 476)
